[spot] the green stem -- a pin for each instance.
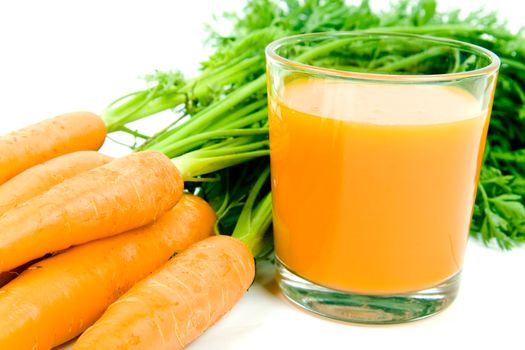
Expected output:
(509, 157)
(211, 74)
(135, 133)
(263, 220)
(147, 102)
(323, 49)
(434, 29)
(220, 155)
(484, 195)
(160, 134)
(486, 209)
(414, 59)
(118, 106)
(236, 71)
(512, 63)
(223, 209)
(233, 121)
(115, 120)
(248, 145)
(240, 113)
(249, 120)
(207, 116)
(122, 104)
(192, 168)
(333, 44)
(254, 222)
(193, 142)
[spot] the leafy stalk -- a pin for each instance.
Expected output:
(185, 145)
(171, 91)
(255, 219)
(210, 159)
(210, 114)
(222, 110)
(242, 201)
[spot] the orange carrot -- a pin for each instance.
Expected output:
(8, 276)
(176, 304)
(57, 298)
(5, 277)
(124, 194)
(42, 177)
(48, 139)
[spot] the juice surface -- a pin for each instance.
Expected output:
(373, 184)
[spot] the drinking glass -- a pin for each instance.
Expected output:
(376, 143)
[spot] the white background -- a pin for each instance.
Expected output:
(60, 56)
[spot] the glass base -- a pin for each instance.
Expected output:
(368, 309)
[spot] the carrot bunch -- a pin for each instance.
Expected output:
(84, 237)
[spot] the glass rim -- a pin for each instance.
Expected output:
(491, 68)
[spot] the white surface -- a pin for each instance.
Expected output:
(59, 56)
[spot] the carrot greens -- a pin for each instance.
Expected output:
(220, 118)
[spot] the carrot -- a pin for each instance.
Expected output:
(57, 298)
(42, 177)
(126, 193)
(48, 139)
(173, 306)
(8, 276)
(5, 277)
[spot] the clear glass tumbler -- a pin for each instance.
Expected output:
(376, 142)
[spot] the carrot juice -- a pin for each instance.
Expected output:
(374, 184)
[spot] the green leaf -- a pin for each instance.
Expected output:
(510, 206)
(423, 12)
(232, 81)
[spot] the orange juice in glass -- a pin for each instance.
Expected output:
(376, 144)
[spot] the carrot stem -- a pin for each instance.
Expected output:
(157, 99)
(255, 220)
(192, 142)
